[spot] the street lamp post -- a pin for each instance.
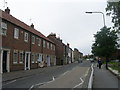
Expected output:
(104, 27)
(101, 13)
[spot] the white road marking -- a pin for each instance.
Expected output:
(79, 83)
(36, 85)
(53, 79)
(31, 87)
(91, 78)
(87, 72)
(9, 82)
(68, 71)
(65, 73)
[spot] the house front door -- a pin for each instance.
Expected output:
(27, 61)
(48, 60)
(4, 61)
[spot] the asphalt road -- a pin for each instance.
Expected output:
(74, 75)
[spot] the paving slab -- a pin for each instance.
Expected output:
(104, 79)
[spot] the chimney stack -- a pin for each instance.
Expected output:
(53, 35)
(68, 44)
(32, 25)
(7, 10)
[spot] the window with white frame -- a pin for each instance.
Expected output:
(44, 43)
(51, 46)
(16, 33)
(48, 45)
(37, 57)
(54, 47)
(21, 56)
(15, 57)
(40, 57)
(39, 41)
(26, 37)
(33, 58)
(33, 39)
(4, 28)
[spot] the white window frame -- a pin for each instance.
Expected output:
(15, 61)
(37, 57)
(21, 52)
(33, 58)
(26, 37)
(4, 28)
(39, 41)
(33, 39)
(16, 33)
(44, 43)
(48, 45)
(54, 47)
(51, 46)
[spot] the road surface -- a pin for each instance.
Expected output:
(75, 75)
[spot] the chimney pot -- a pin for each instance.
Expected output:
(53, 34)
(32, 25)
(68, 44)
(7, 10)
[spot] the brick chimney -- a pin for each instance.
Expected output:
(32, 25)
(68, 44)
(7, 10)
(53, 35)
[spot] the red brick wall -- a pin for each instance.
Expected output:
(59, 49)
(19, 44)
(48, 51)
(9, 41)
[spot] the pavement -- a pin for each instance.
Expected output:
(105, 79)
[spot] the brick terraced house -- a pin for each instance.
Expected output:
(64, 54)
(59, 48)
(21, 46)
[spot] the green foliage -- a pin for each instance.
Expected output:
(115, 65)
(113, 9)
(105, 43)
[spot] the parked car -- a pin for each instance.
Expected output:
(91, 60)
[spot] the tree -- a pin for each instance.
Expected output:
(105, 43)
(113, 9)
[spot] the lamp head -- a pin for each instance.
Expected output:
(89, 12)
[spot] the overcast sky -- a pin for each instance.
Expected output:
(66, 18)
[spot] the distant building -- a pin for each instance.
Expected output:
(77, 55)
(81, 55)
(23, 47)
(59, 48)
(63, 51)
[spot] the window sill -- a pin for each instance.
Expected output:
(20, 62)
(15, 62)
(26, 41)
(16, 38)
